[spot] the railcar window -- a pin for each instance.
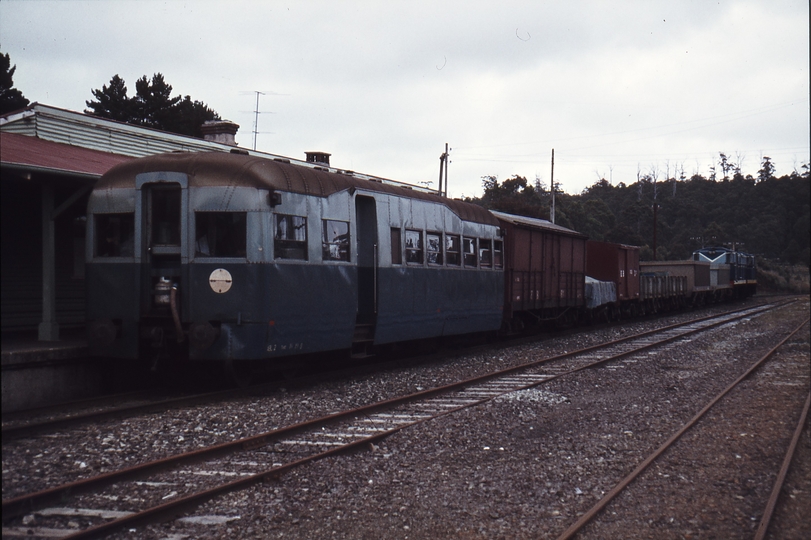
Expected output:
(165, 216)
(484, 253)
(469, 251)
(498, 254)
(290, 241)
(434, 247)
(413, 246)
(220, 234)
(396, 247)
(114, 235)
(335, 241)
(452, 250)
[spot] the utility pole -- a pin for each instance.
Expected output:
(447, 162)
(443, 166)
(655, 208)
(552, 187)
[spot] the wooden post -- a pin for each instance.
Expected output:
(552, 187)
(48, 328)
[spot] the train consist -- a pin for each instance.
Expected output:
(230, 257)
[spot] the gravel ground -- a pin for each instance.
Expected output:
(49, 460)
(524, 465)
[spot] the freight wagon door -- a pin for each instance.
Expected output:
(366, 221)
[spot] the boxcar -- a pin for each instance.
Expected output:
(619, 263)
(545, 270)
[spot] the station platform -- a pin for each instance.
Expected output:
(38, 373)
(24, 349)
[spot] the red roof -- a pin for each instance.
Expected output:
(27, 151)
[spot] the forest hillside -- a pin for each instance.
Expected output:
(768, 216)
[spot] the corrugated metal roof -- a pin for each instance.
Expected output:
(220, 169)
(534, 223)
(34, 153)
(78, 129)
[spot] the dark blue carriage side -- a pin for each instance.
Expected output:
(239, 257)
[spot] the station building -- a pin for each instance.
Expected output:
(50, 159)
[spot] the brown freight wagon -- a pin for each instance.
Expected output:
(619, 263)
(544, 270)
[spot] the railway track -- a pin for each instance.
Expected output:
(50, 419)
(69, 415)
(593, 513)
(169, 487)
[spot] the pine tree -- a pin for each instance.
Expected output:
(11, 99)
(152, 106)
(112, 101)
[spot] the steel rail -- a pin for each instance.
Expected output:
(17, 431)
(27, 502)
(781, 476)
(18, 505)
(24, 430)
(602, 503)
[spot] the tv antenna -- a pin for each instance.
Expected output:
(256, 112)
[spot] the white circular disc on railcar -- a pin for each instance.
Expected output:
(220, 280)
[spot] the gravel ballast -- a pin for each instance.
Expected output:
(523, 465)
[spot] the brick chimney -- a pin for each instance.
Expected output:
(220, 131)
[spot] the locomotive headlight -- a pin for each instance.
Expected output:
(220, 280)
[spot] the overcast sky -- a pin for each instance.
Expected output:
(616, 88)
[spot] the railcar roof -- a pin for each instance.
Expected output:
(535, 223)
(222, 169)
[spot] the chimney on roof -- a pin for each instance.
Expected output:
(321, 158)
(220, 131)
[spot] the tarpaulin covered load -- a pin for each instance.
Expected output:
(599, 292)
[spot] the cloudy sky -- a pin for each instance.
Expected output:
(616, 88)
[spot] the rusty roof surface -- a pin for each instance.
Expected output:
(221, 169)
(535, 223)
(34, 153)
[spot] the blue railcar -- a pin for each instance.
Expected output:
(215, 256)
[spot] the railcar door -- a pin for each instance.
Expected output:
(164, 203)
(366, 243)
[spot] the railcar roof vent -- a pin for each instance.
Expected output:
(220, 131)
(321, 158)
(241, 151)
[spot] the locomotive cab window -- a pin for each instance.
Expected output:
(114, 235)
(469, 252)
(290, 240)
(220, 234)
(452, 249)
(335, 240)
(434, 248)
(485, 255)
(413, 247)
